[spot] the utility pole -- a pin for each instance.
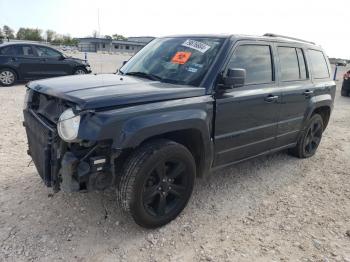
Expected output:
(98, 22)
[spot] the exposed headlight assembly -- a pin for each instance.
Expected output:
(68, 125)
(27, 98)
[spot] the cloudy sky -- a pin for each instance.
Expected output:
(324, 22)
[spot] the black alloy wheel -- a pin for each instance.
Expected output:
(310, 138)
(165, 187)
(157, 182)
(313, 137)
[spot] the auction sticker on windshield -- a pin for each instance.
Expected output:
(196, 45)
(181, 57)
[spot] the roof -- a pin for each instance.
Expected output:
(23, 43)
(276, 38)
(267, 37)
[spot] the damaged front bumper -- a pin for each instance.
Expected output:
(68, 167)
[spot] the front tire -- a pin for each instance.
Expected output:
(7, 77)
(157, 182)
(80, 71)
(310, 139)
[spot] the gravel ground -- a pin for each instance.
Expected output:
(273, 208)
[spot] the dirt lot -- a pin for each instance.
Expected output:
(274, 208)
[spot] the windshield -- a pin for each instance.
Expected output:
(178, 60)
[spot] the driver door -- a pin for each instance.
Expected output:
(246, 117)
(52, 62)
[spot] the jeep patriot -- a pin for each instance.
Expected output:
(181, 107)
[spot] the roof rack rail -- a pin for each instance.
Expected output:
(288, 37)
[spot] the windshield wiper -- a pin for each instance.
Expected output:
(144, 75)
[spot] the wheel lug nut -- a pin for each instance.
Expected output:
(159, 188)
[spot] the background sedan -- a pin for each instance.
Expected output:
(27, 61)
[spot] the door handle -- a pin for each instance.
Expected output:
(14, 59)
(308, 92)
(271, 98)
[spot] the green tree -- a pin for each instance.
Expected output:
(119, 37)
(50, 35)
(29, 34)
(8, 32)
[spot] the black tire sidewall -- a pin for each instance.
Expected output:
(14, 73)
(315, 118)
(137, 209)
(344, 92)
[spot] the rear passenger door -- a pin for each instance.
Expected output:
(246, 117)
(29, 64)
(297, 91)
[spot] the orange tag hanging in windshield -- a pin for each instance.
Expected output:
(181, 57)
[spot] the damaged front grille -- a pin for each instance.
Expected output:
(41, 138)
(48, 107)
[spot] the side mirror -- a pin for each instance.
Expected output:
(61, 57)
(124, 62)
(234, 78)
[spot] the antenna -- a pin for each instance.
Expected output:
(288, 37)
(98, 22)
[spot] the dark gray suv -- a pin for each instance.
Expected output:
(181, 107)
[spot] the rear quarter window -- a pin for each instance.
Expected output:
(8, 50)
(319, 66)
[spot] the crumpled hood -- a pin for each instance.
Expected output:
(108, 90)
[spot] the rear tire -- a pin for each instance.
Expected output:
(344, 92)
(157, 182)
(310, 138)
(7, 77)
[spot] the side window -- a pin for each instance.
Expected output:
(288, 63)
(318, 64)
(47, 52)
(302, 65)
(26, 50)
(9, 50)
(292, 64)
(256, 60)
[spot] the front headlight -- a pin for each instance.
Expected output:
(68, 125)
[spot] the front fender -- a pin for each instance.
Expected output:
(140, 128)
(129, 126)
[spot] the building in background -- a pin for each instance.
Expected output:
(132, 45)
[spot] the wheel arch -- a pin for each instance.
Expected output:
(76, 67)
(15, 70)
(324, 112)
(192, 139)
(193, 133)
(322, 105)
